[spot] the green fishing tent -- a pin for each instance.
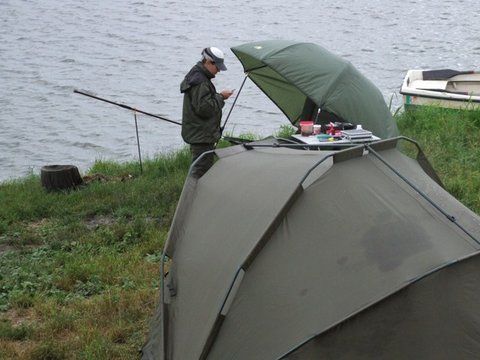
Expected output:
(289, 73)
(277, 253)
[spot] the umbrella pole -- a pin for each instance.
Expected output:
(234, 102)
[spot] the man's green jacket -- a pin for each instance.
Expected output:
(202, 107)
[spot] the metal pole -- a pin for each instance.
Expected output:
(234, 102)
(138, 142)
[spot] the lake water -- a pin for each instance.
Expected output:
(137, 52)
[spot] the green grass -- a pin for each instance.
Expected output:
(79, 270)
(7, 331)
(450, 139)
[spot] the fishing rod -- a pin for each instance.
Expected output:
(134, 115)
(126, 107)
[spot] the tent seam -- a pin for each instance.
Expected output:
(386, 297)
(334, 80)
(293, 122)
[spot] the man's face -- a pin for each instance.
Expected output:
(210, 65)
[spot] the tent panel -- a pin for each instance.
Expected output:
(353, 238)
(234, 203)
(412, 170)
(435, 318)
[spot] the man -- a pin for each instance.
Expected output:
(202, 108)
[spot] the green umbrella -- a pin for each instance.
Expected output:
(291, 73)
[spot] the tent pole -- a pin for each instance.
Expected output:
(420, 192)
(162, 305)
(234, 102)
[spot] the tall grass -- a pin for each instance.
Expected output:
(451, 141)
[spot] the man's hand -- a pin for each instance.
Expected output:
(226, 93)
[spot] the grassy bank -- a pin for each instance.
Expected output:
(451, 141)
(79, 270)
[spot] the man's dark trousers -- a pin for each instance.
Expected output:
(205, 163)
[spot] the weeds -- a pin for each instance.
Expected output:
(16, 333)
(84, 263)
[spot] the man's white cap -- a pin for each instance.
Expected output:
(216, 56)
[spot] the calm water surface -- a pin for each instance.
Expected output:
(137, 52)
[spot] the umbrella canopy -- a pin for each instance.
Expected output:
(290, 73)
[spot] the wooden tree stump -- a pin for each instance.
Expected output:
(60, 177)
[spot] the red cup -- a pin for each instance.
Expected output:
(306, 128)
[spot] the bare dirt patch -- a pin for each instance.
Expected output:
(19, 317)
(35, 225)
(100, 220)
(87, 179)
(4, 248)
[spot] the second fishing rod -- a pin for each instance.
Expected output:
(135, 111)
(126, 106)
(222, 127)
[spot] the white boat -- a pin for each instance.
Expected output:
(444, 88)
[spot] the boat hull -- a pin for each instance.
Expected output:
(411, 101)
(461, 91)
